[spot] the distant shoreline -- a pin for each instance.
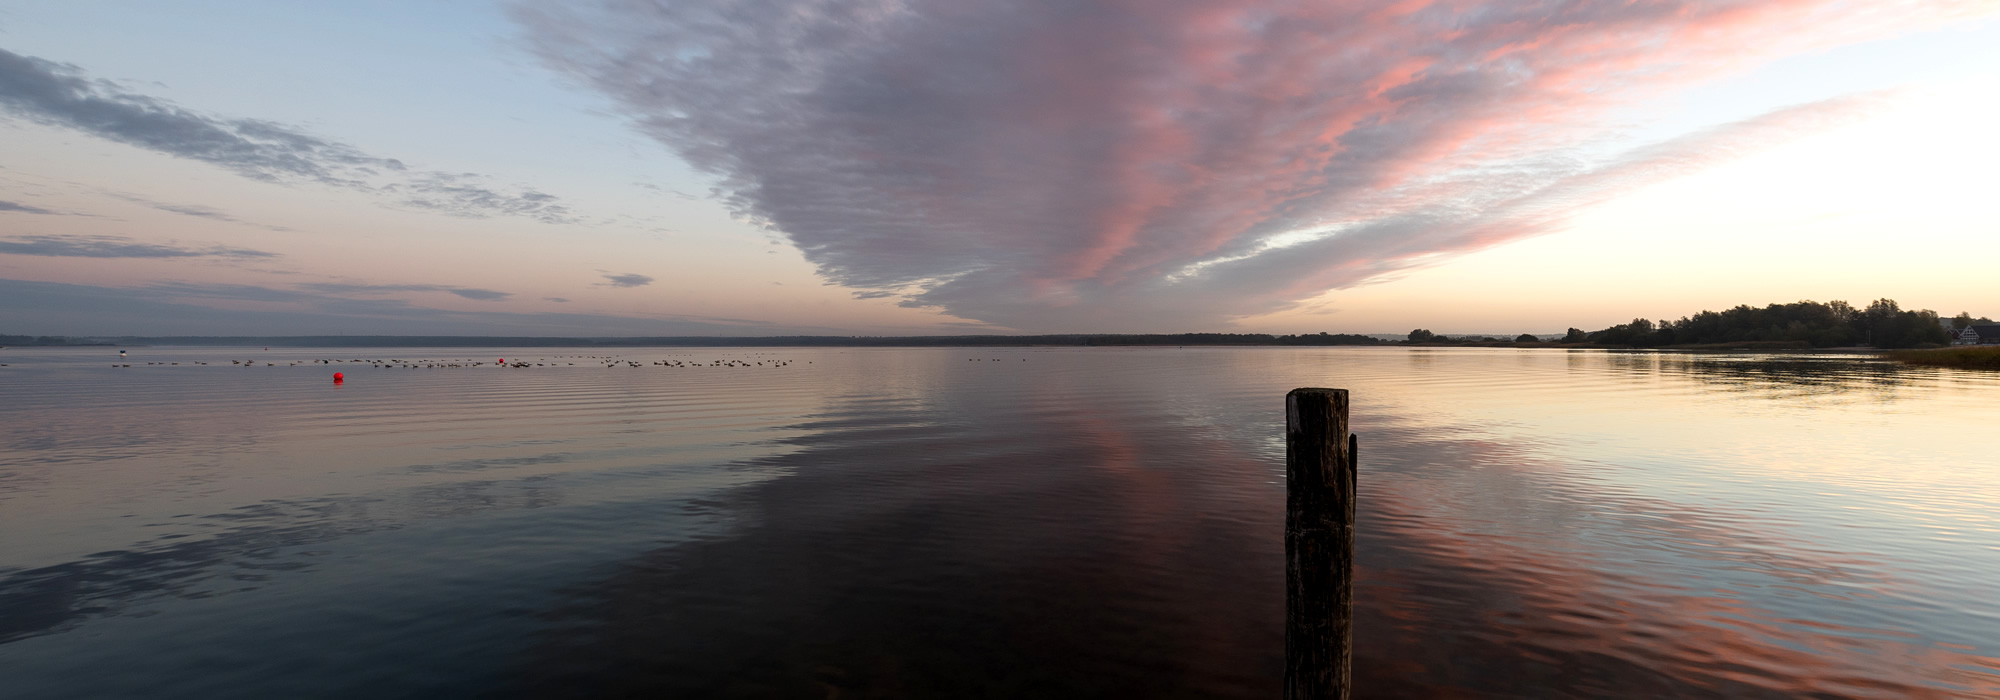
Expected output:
(977, 341)
(1060, 340)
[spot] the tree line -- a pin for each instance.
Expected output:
(1321, 338)
(1882, 324)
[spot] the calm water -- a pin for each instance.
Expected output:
(985, 523)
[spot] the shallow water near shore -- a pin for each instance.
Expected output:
(1008, 522)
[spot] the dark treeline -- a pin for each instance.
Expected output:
(1428, 338)
(404, 341)
(1882, 324)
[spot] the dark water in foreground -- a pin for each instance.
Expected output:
(986, 523)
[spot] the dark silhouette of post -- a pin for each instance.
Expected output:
(1319, 545)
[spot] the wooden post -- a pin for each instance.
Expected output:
(1319, 545)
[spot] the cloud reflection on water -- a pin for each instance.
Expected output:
(1074, 522)
(930, 550)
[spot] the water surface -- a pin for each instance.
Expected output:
(1023, 522)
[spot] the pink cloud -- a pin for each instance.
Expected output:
(1124, 164)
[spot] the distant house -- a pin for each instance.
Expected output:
(1979, 335)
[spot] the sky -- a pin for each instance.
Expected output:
(883, 167)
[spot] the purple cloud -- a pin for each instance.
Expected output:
(116, 247)
(60, 94)
(23, 208)
(1093, 164)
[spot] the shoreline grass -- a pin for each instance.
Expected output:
(1963, 357)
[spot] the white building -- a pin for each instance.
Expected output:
(1979, 335)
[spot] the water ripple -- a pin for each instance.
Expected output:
(994, 522)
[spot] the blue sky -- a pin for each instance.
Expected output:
(776, 166)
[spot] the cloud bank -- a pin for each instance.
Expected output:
(370, 289)
(22, 208)
(58, 94)
(115, 247)
(1170, 164)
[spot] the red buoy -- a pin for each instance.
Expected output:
(503, 360)
(338, 376)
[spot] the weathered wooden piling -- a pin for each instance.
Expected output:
(1319, 545)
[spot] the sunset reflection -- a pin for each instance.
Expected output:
(1018, 522)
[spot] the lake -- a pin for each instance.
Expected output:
(1010, 522)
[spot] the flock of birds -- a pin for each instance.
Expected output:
(519, 365)
(606, 361)
(459, 363)
(721, 363)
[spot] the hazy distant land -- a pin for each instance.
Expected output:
(1882, 324)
